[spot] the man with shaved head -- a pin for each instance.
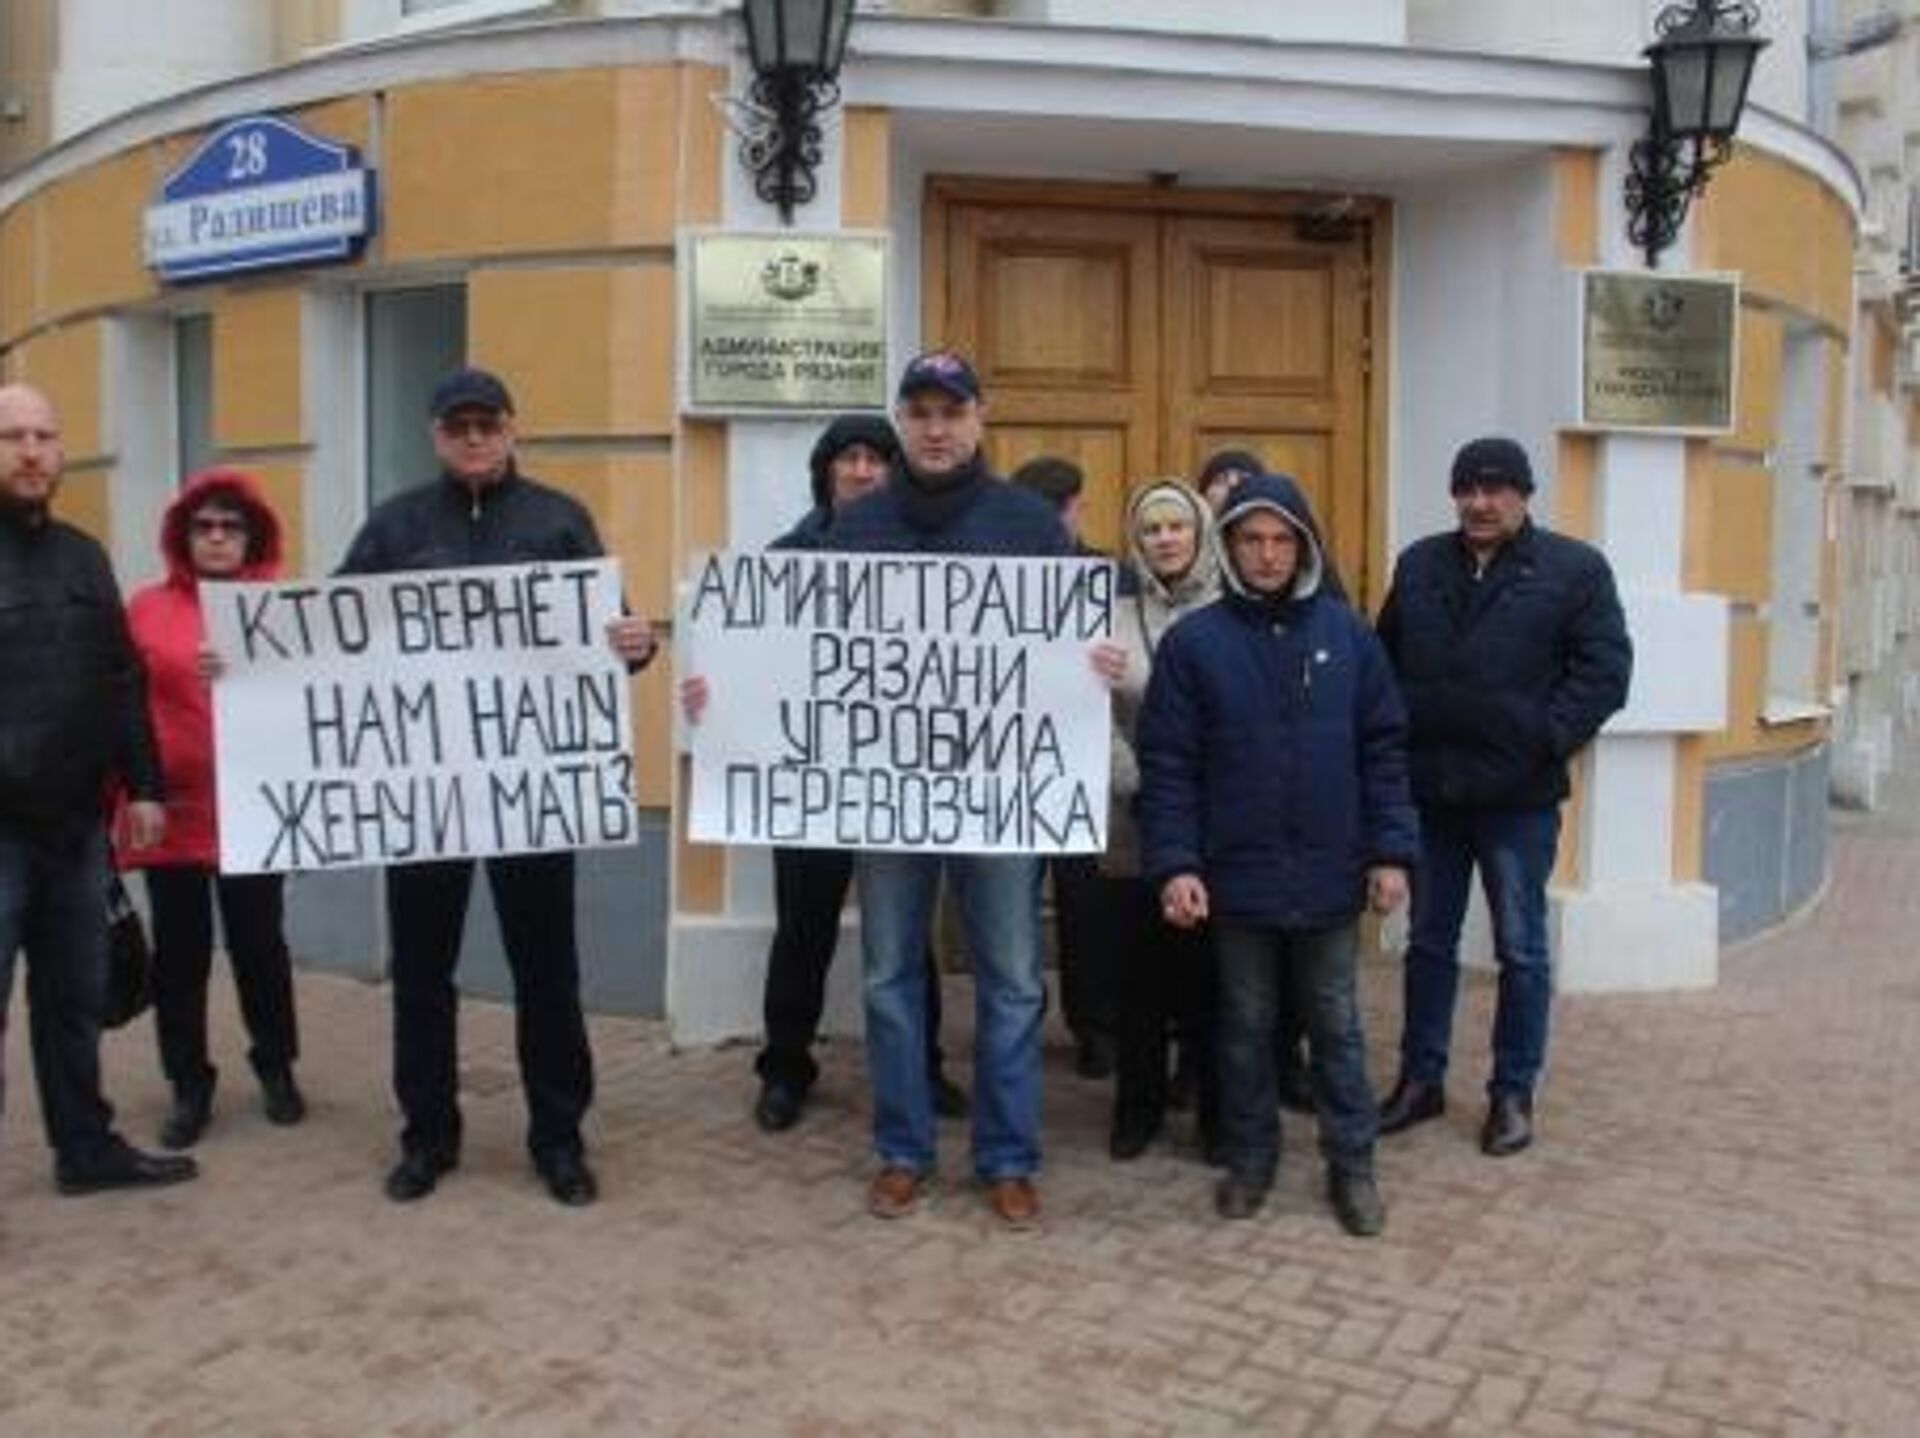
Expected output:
(74, 723)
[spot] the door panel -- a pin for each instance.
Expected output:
(1139, 336)
(1059, 309)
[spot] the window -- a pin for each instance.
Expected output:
(413, 337)
(192, 394)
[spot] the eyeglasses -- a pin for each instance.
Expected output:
(480, 426)
(208, 526)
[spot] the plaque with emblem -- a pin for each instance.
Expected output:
(785, 322)
(1657, 351)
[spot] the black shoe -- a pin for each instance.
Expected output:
(1094, 1057)
(949, 1099)
(779, 1105)
(188, 1118)
(568, 1179)
(1509, 1125)
(281, 1098)
(1132, 1133)
(1238, 1197)
(1412, 1101)
(120, 1165)
(417, 1173)
(1356, 1203)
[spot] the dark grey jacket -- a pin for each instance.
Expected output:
(444, 525)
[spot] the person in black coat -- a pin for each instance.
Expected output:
(1512, 651)
(1274, 804)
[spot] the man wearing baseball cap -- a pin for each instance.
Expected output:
(1512, 651)
(482, 510)
(943, 499)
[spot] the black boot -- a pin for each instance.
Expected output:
(1412, 1101)
(188, 1118)
(1356, 1202)
(1509, 1125)
(281, 1098)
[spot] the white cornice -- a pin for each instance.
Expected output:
(997, 71)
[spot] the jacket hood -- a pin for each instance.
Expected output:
(1278, 494)
(1204, 572)
(237, 490)
(844, 433)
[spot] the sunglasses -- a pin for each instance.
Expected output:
(209, 525)
(482, 426)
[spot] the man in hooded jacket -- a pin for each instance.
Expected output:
(1274, 805)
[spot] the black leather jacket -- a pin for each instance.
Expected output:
(73, 701)
(444, 525)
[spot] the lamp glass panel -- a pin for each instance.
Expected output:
(763, 33)
(805, 32)
(838, 22)
(1733, 69)
(1687, 69)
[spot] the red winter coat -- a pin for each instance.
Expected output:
(165, 620)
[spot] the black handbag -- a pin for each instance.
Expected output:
(129, 959)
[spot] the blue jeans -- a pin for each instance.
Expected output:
(1318, 969)
(1000, 912)
(1514, 849)
(53, 905)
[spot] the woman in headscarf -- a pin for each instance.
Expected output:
(1162, 975)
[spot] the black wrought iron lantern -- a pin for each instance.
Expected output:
(796, 47)
(1702, 57)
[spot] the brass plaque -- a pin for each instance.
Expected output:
(785, 322)
(1657, 351)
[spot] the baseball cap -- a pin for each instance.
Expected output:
(469, 389)
(942, 370)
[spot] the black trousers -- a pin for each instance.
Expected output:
(252, 917)
(426, 914)
(809, 891)
(1080, 931)
(1163, 986)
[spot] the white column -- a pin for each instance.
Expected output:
(1631, 926)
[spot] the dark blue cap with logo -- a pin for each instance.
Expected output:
(469, 389)
(942, 370)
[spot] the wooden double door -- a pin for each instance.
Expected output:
(1137, 331)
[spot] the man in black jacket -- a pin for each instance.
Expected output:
(1512, 651)
(74, 719)
(482, 510)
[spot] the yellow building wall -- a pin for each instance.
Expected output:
(256, 368)
(66, 363)
(1791, 241)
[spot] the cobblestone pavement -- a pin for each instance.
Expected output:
(1718, 1233)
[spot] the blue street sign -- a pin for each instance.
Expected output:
(259, 193)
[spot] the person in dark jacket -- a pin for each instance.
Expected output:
(943, 499)
(1274, 805)
(1512, 651)
(852, 457)
(482, 510)
(73, 723)
(1081, 943)
(219, 527)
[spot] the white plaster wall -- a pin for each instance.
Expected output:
(115, 55)
(1482, 334)
(1607, 32)
(1364, 22)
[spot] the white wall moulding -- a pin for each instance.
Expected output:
(1679, 664)
(1636, 938)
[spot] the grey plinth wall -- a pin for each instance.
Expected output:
(335, 923)
(1766, 839)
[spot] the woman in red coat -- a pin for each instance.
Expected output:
(218, 527)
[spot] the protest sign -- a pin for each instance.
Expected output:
(899, 701)
(384, 719)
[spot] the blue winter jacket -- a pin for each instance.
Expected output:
(1273, 746)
